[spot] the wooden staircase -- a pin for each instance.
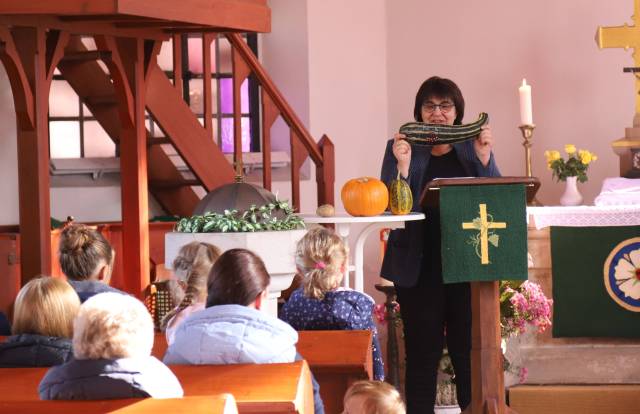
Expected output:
(80, 68)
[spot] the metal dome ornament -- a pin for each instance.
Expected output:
(240, 207)
(234, 196)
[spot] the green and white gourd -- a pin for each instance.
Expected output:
(420, 133)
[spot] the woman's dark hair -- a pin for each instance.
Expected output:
(436, 87)
(81, 250)
(236, 278)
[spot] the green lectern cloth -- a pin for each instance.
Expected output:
(484, 233)
(596, 281)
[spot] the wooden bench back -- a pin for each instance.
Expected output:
(213, 404)
(257, 388)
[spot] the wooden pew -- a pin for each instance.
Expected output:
(336, 358)
(257, 388)
(214, 404)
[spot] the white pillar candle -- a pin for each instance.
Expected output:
(526, 115)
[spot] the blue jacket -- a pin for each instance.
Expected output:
(403, 257)
(87, 288)
(31, 350)
(235, 334)
(105, 379)
(338, 310)
(232, 334)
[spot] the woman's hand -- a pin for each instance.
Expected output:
(402, 152)
(483, 145)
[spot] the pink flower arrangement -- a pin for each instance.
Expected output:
(382, 315)
(522, 304)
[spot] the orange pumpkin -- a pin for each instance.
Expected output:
(364, 196)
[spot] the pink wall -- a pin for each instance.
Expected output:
(366, 59)
(580, 94)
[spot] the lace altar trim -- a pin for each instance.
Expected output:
(585, 216)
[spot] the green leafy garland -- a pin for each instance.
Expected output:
(254, 219)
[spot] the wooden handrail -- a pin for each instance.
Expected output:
(265, 81)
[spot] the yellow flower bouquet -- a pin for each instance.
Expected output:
(575, 165)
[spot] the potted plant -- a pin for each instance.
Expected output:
(572, 170)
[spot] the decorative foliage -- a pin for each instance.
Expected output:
(476, 239)
(576, 164)
(262, 218)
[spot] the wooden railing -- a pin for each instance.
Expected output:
(274, 105)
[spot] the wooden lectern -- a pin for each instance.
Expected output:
(487, 375)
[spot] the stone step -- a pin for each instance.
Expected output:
(575, 399)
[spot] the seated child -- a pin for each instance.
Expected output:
(86, 259)
(42, 325)
(372, 397)
(112, 341)
(321, 304)
(233, 329)
(191, 267)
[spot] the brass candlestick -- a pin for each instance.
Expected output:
(527, 133)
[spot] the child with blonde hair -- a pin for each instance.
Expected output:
(112, 342)
(42, 325)
(191, 268)
(372, 397)
(321, 304)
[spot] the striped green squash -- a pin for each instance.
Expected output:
(400, 197)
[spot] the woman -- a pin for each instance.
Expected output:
(112, 341)
(412, 260)
(42, 325)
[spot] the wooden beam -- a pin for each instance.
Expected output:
(269, 115)
(176, 42)
(207, 96)
(240, 72)
(325, 173)
(172, 184)
(20, 84)
(88, 55)
(176, 119)
(79, 27)
(128, 71)
(33, 154)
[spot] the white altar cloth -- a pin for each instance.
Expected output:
(584, 216)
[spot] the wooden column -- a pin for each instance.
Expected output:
(240, 73)
(127, 67)
(30, 55)
(487, 375)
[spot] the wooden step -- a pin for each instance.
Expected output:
(86, 56)
(575, 399)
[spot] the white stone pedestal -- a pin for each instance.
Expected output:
(275, 248)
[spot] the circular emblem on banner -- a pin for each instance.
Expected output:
(622, 274)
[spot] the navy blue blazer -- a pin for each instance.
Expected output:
(403, 257)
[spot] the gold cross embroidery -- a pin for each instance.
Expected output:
(484, 226)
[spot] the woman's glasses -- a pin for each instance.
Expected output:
(445, 107)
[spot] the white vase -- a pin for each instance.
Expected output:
(571, 196)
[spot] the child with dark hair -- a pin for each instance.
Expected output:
(233, 329)
(86, 258)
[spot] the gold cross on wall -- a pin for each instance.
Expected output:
(485, 225)
(624, 36)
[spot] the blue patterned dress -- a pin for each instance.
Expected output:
(339, 310)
